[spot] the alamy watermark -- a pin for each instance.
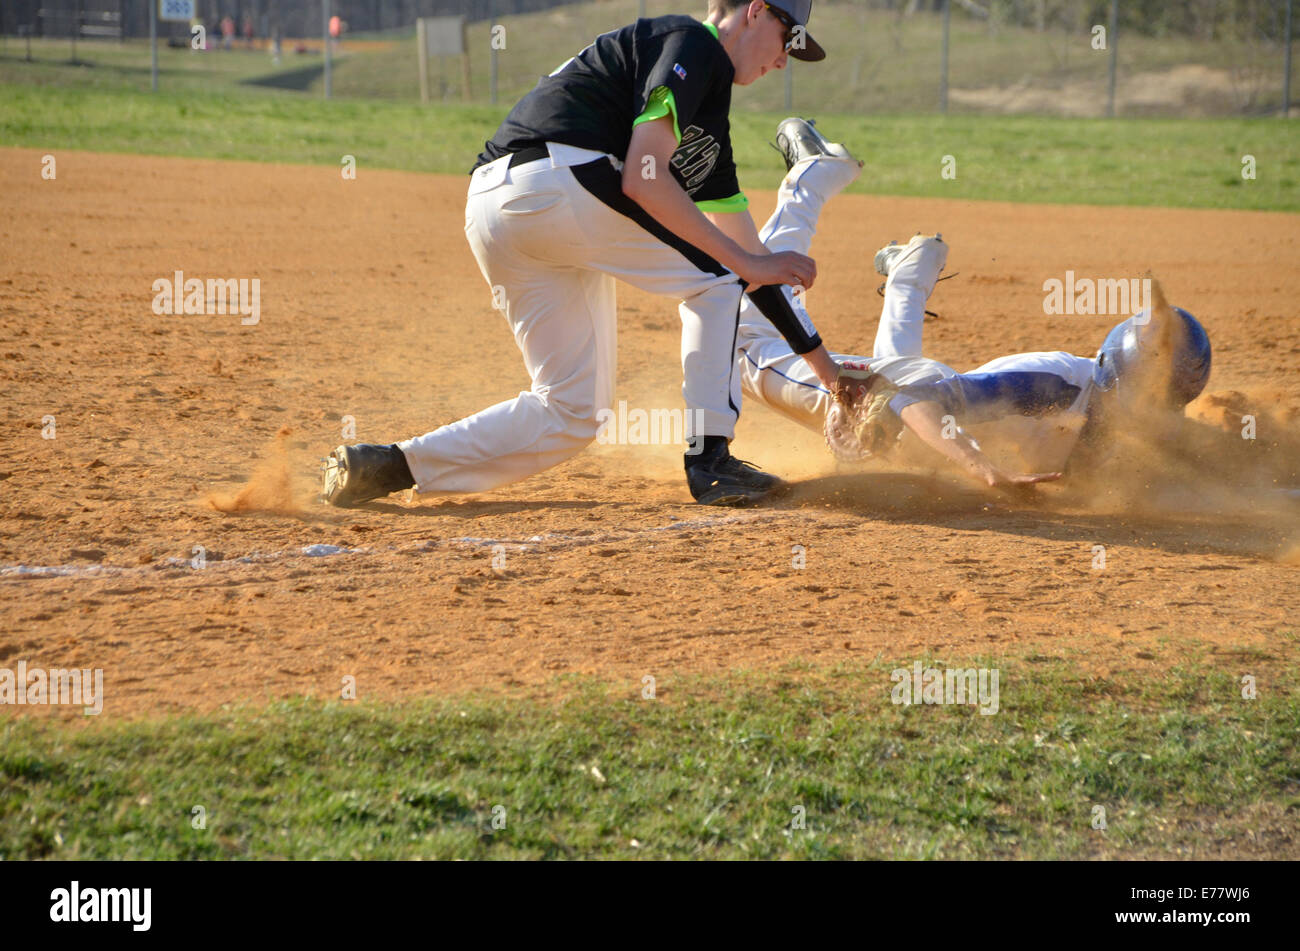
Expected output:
(654, 427)
(954, 685)
(39, 687)
(1086, 296)
(192, 297)
(76, 904)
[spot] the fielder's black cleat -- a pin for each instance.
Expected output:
(716, 477)
(362, 473)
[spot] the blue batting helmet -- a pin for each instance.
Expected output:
(1122, 349)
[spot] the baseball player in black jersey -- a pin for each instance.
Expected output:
(618, 165)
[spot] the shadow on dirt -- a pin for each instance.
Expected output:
(1173, 523)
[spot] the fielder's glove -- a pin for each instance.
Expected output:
(859, 422)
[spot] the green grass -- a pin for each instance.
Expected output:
(712, 769)
(269, 128)
(237, 105)
(1165, 162)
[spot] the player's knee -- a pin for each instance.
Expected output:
(577, 418)
(920, 263)
(584, 428)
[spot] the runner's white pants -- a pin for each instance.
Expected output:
(550, 251)
(770, 371)
(774, 376)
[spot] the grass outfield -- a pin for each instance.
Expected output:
(1164, 162)
(1182, 765)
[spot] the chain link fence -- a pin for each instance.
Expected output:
(1046, 57)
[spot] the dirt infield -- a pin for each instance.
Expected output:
(371, 306)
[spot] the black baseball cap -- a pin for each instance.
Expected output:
(799, 12)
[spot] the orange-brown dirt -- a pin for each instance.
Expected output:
(372, 307)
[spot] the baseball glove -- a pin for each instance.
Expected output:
(859, 422)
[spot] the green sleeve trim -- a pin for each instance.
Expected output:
(712, 29)
(661, 104)
(725, 206)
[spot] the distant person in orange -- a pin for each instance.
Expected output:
(227, 32)
(336, 29)
(248, 30)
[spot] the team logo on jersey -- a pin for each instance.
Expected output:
(677, 68)
(695, 157)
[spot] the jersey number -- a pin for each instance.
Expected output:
(695, 157)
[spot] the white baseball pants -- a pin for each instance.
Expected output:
(775, 376)
(550, 250)
(778, 378)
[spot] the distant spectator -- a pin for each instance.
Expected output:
(275, 45)
(248, 30)
(227, 32)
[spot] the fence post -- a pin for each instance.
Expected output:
(492, 46)
(153, 45)
(1112, 39)
(325, 30)
(1286, 67)
(465, 75)
(422, 51)
(943, 58)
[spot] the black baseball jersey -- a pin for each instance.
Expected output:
(593, 100)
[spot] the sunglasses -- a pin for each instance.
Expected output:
(786, 21)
